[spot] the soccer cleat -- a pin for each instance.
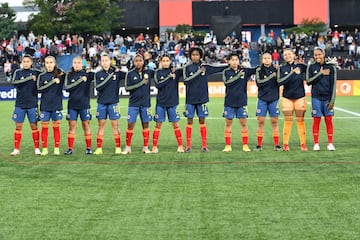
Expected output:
(204, 149)
(117, 150)
(15, 152)
(68, 152)
(98, 151)
(246, 148)
(316, 147)
(44, 152)
(56, 151)
(331, 147)
(286, 148)
(127, 150)
(277, 148)
(303, 148)
(227, 148)
(188, 150)
(146, 150)
(37, 151)
(180, 149)
(258, 148)
(88, 151)
(154, 150)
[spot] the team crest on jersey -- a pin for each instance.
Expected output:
(191, 73)
(101, 79)
(22, 78)
(135, 78)
(231, 77)
(286, 73)
(315, 71)
(162, 77)
(46, 82)
(72, 80)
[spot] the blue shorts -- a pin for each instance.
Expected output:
(320, 108)
(238, 112)
(200, 109)
(172, 113)
(73, 114)
(105, 110)
(46, 116)
(145, 114)
(19, 115)
(263, 107)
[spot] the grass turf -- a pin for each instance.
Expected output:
(257, 195)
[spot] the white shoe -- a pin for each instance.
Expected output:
(331, 147)
(316, 147)
(127, 150)
(180, 149)
(154, 150)
(15, 152)
(146, 150)
(37, 151)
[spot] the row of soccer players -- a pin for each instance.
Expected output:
(50, 83)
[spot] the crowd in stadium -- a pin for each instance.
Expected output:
(122, 49)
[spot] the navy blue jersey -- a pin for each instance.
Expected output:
(78, 85)
(266, 81)
(293, 83)
(24, 81)
(167, 83)
(323, 86)
(107, 84)
(138, 84)
(236, 86)
(51, 92)
(196, 82)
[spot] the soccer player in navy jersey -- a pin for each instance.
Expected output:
(268, 96)
(291, 76)
(195, 75)
(107, 84)
(322, 77)
(235, 78)
(77, 83)
(167, 101)
(50, 85)
(24, 81)
(137, 82)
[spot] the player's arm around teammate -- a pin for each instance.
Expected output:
(291, 77)
(137, 82)
(107, 84)
(268, 96)
(24, 80)
(167, 101)
(77, 83)
(50, 84)
(322, 77)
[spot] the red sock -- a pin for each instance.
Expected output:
(44, 134)
(35, 137)
(178, 136)
(260, 136)
(88, 139)
(17, 139)
(156, 135)
(316, 129)
(71, 139)
(146, 134)
(99, 140)
(227, 137)
(245, 137)
(188, 135)
(276, 137)
(56, 129)
(129, 134)
(203, 133)
(117, 140)
(329, 128)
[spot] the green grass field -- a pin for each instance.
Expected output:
(237, 195)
